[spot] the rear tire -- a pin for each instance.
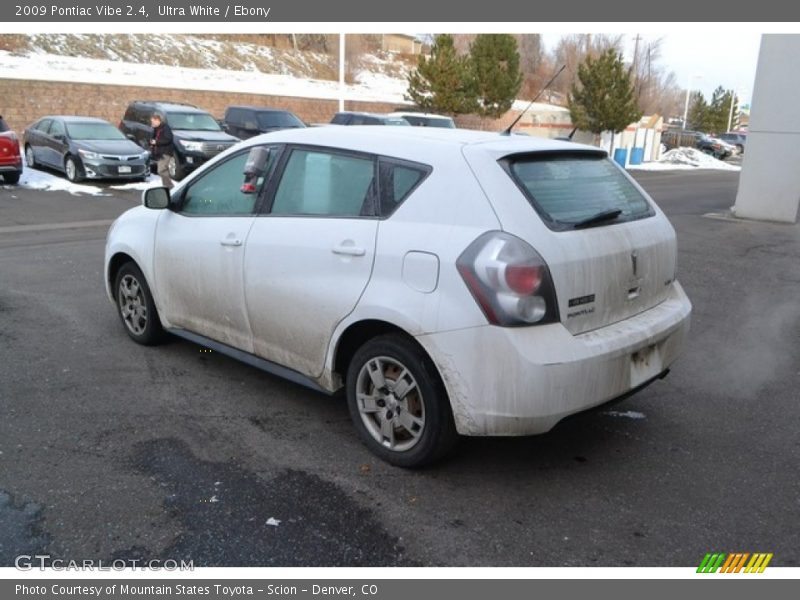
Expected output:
(11, 178)
(398, 403)
(30, 159)
(136, 307)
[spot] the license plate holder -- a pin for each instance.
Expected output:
(124, 169)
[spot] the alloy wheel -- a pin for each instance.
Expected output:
(390, 403)
(132, 305)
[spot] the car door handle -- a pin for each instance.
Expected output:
(349, 250)
(231, 242)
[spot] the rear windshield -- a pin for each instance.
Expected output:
(430, 121)
(568, 189)
(268, 120)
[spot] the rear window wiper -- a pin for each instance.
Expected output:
(596, 219)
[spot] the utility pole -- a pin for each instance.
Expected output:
(635, 65)
(730, 114)
(341, 71)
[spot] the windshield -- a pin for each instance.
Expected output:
(94, 131)
(272, 120)
(568, 189)
(195, 121)
(397, 121)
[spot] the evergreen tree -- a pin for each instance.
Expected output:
(603, 98)
(719, 111)
(443, 82)
(495, 65)
(699, 109)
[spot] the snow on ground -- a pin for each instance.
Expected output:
(685, 159)
(152, 181)
(34, 179)
(628, 414)
(51, 67)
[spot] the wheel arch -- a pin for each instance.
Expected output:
(357, 334)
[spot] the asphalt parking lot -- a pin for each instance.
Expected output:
(112, 450)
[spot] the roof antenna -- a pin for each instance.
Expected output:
(507, 130)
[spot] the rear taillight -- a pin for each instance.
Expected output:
(509, 280)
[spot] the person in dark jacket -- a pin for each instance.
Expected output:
(161, 148)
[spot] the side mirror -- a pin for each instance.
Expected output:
(255, 167)
(156, 198)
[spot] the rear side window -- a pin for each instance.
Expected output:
(567, 189)
(3, 126)
(325, 184)
(398, 180)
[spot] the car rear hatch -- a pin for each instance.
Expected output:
(610, 251)
(9, 147)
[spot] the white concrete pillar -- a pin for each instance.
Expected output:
(769, 185)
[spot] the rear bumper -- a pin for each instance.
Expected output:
(522, 381)
(11, 166)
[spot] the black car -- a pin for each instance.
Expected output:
(83, 148)
(680, 138)
(246, 121)
(198, 136)
(363, 118)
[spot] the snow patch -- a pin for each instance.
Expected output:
(34, 179)
(685, 159)
(273, 522)
(152, 181)
(628, 414)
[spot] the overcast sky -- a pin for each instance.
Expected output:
(710, 59)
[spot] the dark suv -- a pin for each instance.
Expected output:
(246, 121)
(362, 118)
(198, 135)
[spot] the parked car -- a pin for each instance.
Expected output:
(451, 281)
(714, 146)
(10, 156)
(246, 121)
(83, 148)
(198, 135)
(362, 118)
(678, 138)
(419, 119)
(736, 138)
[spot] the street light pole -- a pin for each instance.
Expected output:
(688, 93)
(730, 113)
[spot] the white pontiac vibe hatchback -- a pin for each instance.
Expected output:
(453, 282)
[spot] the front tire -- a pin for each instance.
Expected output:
(136, 307)
(398, 403)
(72, 170)
(176, 170)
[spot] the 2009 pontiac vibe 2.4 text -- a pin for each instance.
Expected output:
(453, 282)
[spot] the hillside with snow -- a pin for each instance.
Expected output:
(199, 62)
